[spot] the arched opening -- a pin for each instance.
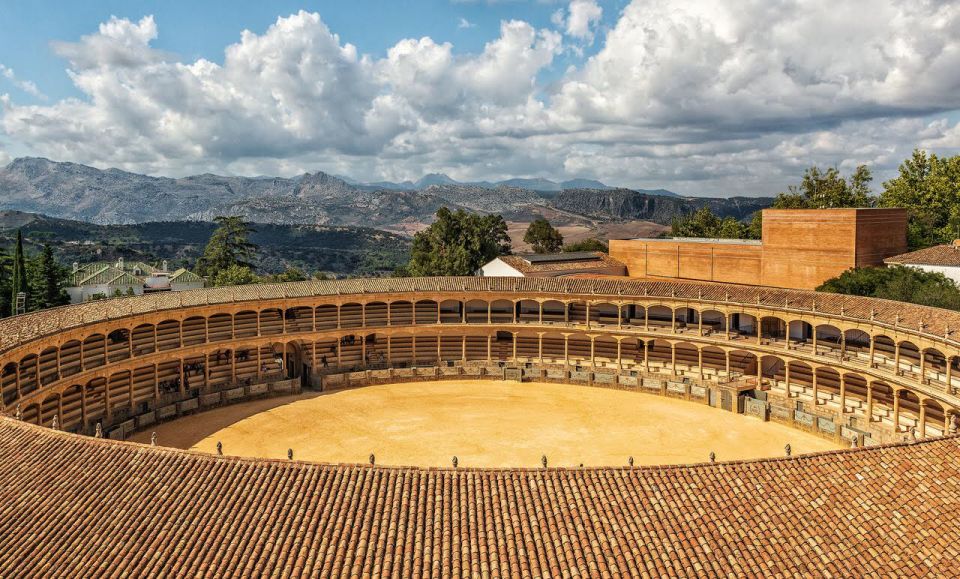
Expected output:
(245, 324)
(425, 350)
(882, 397)
(528, 311)
(659, 317)
(48, 409)
(934, 419)
(579, 348)
(773, 328)
(633, 315)
(909, 411)
(713, 321)
(450, 312)
(799, 379)
(855, 386)
(298, 320)
(553, 312)
(351, 315)
(426, 312)
(528, 346)
(48, 366)
(604, 314)
(375, 314)
(828, 387)
(94, 350)
(70, 357)
(118, 394)
(501, 312)
(271, 322)
(934, 365)
(660, 353)
(326, 317)
(219, 328)
(476, 312)
(909, 357)
(29, 379)
(714, 360)
(743, 364)
(800, 331)
(72, 409)
(8, 383)
(143, 340)
(605, 349)
(553, 347)
(477, 345)
(883, 350)
(771, 369)
(744, 325)
(451, 348)
(828, 339)
(118, 345)
(95, 393)
(857, 342)
(686, 317)
(168, 336)
(401, 350)
(577, 312)
(194, 331)
(687, 355)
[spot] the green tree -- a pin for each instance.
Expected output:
(590, 244)
(229, 245)
(18, 276)
(291, 274)
(704, 223)
(47, 280)
(458, 243)
(543, 237)
(904, 284)
(928, 187)
(828, 189)
(235, 274)
(5, 289)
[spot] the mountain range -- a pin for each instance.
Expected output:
(112, 196)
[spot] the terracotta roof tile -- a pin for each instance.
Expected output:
(143, 510)
(943, 255)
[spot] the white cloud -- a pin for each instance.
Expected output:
(26, 86)
(464, 23)
(584, 15)
(705, 96)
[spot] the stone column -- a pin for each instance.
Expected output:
(514, 334)
(843, 394)
(463, 349)
(592, 360)
(489, 348)
(646, 355)
(869, 402)
(389, 350)
(541, 313)
(923, 420)
(873, 347)
(816, 397)
(646, 318)
(156, 384)
(896, 358)
(540, 343)
(949, 375)
(566, 349)
(619, 350)
(619, 316)
(923, 366)
(700, 361)
(727, 356)
(786, 377)
(673, 359)
(896, 411)
(588, 315)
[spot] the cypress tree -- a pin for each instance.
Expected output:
(18, 279)
(47, 276)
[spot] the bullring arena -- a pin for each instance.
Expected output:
(830, 371)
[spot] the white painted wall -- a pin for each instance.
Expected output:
(497, 268)
(949, 271)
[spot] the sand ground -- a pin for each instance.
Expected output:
(486, 424)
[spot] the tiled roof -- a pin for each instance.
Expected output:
(78, 506)
(601, 261)
(184, 276)
(935, 322)
(104, 275)
(943, 255)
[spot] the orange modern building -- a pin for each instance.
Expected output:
(799, 249)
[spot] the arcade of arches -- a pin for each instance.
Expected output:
(885, 381)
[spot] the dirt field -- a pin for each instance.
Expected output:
(493, 424)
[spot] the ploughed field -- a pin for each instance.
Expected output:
(485, 424)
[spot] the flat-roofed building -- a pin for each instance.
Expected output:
(553, 265)
(799, 248)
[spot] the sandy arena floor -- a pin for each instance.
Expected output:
(488, 424)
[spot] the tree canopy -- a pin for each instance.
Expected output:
(543, 237)
(46, 280)
(927, 186)
(18, 275)
(828, 189)
(235, 274)
(457, 243)
(704, 223)
(904, 284)
(590, 244)
(229, 245)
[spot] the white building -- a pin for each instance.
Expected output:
(587, 263)
(103, 280)
(943, 259)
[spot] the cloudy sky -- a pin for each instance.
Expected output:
(704, 97)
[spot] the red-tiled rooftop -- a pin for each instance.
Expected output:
(941, 255)
(76, 506)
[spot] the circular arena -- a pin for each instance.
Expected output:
(79, 498)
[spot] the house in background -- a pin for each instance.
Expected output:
(943, 259)
(553, 265)
(103, 279)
